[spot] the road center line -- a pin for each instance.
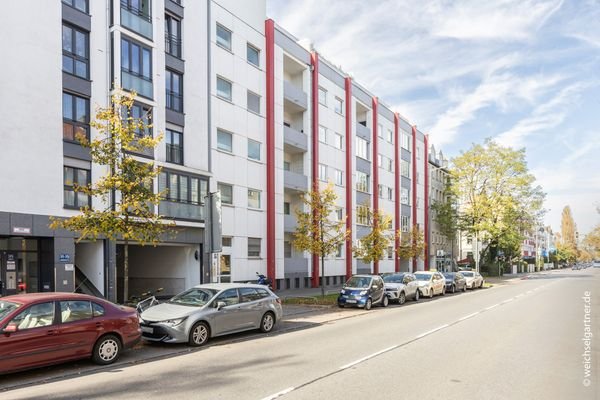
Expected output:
(431, 331)
(469, 316)
(490, 307)
(279, 394)
(508, 300)
(368, 357)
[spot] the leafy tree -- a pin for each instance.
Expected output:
(591, 242)
(411, 244)
(126, 192)
(373, 246)
(497, 196)
(318, 231)
(445, 214)
(568, 227)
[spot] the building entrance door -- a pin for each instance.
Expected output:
(8, 273)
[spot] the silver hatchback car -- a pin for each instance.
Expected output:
(210, 310)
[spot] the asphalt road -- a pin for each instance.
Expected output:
(515, 341)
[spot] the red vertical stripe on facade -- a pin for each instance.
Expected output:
(349, 187)
(270, 144)
(375, 173)
(314, 62)
(426, 203)
(397, 184)
(414, 184)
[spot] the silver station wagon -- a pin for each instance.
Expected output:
(210, 310)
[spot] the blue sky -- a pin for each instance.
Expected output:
(524, 72)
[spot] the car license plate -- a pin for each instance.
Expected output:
(147, 329)
(350, 301)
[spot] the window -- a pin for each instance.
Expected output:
(338, 141)
(405, 196)
(81, 5)
(226, 241)
(404, 168)
(287, 249)
(253, 198)
(339, 214)
(174, 87)
(339, 106)
(253, 102)
(390, 194)
(253, 247)
(286, 166)
(225, 268)
(389, 136)
(223, 37)
(136, 65)
(339, 251)
(385, 163)
(97, 310)
(229, 297)
(404, 223)
(226, 193)
(224, 89)
(224, 141)
(181, 188)
(322, 96)
(380, 131)
(286, 208)
(35, 316)
(322, 134)
(362, 182)
(323, 172)
(172, 36)
(73, 177)
(405, 143)
(381, 190)
(75, 44)
(418, 153)
(71, 311)
(143, 114)
(253, 150)
(338, 177)
(390, 252)
(249, 294)
(252, 55)
(362, 148)
(75, 117)
(174, 142)
(362, 215)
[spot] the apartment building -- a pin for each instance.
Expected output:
(441, 249)
(245, 110)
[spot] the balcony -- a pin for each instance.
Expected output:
(173, 45)
(289, 223)
(136, 20)
(177, 210)
(363, 131)
(174, 101)
(295, 265)
(142, 86)
(294, 141)
(295, 96)
(174, 154)
(295, 181)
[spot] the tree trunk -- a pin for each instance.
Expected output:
(322, 277)
(126, 271)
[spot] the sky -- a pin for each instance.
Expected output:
(524, 72)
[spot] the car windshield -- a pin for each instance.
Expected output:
(467, 273)
(359, 282)
(423, 277)
(194, 297)
(6, 307)
(449, 275)
(393, 278)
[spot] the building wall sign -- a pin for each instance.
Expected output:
(21, 230)
(64, 258)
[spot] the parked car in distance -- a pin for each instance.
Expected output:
(455, 281)
(39, 329)
(205, 311)
(474, 279)
(363, 291)
(431, 283)
(401, 286)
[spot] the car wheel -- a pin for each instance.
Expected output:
(444, 290)
(431, 293)
(106, 350)
(340, 305)
(267, 322)
(385, 301)
(417, 295)
(401, 298)
(199, 334)
(465, 288)
(481, 285)
(453, 289)
(368, 304)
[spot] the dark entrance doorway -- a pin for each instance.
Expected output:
(19, 265)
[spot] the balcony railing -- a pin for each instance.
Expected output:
(173, 45)
(174, 153)
(180, 210)
(141, 85)
(294, 94)
(135, 19)
(174, 101)
(362, 131)
(297, 140)
(295, 181)
(289, 223)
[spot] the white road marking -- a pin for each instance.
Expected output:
(519, 295)
(490, 307)
(368, 357)
(431, 331)
(279, 394)
(508, 300)
(529, 291)
(469, 316)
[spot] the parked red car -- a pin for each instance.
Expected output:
(39, 329)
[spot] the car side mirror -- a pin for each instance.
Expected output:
(10, 328)
(221, 304)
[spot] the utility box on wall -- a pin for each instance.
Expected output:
(64, 277)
